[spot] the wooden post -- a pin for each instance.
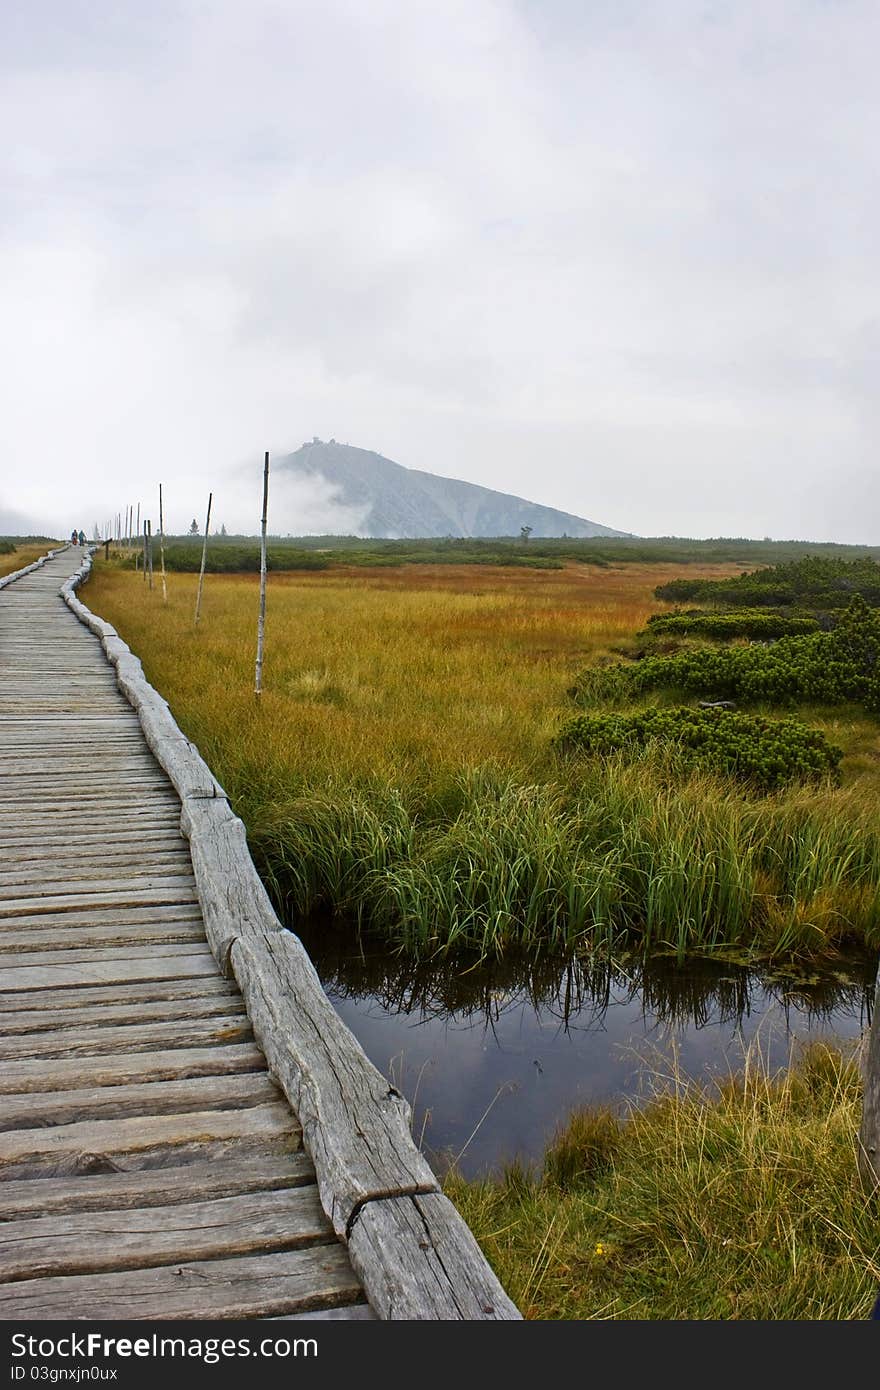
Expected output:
(162, 546)
(137, 533)
(150, 552)
(145, 551)
(261, 624)
(869, 1134)
(204, 557)
(107, 550)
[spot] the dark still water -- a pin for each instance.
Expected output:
(493, 1059)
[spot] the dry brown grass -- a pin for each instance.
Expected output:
(424, 669)
(21, 556)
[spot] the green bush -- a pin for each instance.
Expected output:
(814, 582)
(745, 622)
(829, 668)
(767, 753)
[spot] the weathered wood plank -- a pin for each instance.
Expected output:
(150, 1187)
(38, 865)
(92, 1042)
(335, 1090)
(57, 940)
(252, 1286)
(353, 1312)
(143, 1140)
(438, 1270)
(96, 970)
(117, 1069)
(869, 1130)
(22, 1022)
(233, 900)
(111, 916)
(173, 895)
(98, 1241)
(188, 993)
(32, 1111)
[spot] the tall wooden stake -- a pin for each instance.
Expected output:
(204, 557)
(261, 625)
(162, 546)
(150, 551)
(146, 524)
(137, 531)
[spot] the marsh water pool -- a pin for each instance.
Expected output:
(494, 1057)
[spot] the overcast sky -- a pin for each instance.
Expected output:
(616, 256)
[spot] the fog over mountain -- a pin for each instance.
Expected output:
(394, 501)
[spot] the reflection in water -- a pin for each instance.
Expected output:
(494, 1055)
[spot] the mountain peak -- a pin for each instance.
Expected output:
(398, 502)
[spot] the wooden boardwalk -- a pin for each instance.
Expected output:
(149, 1165)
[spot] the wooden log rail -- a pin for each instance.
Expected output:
(413, 1253)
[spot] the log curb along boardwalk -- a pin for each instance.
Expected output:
(151, 1167)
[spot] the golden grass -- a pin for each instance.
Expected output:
(21, 556)
(399, 766)
(421, 671)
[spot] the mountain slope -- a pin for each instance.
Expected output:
(405, 502)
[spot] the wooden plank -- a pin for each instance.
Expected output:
(32, 1111)
(98, 1241)
(869, 1130)
(39, 831)
(252, 1286)
(33, 847)
(353, 1312)
(233, 899)
(34, 976)
(152, 1036)
(39, 865)
(111, 916)
(171, 895)
(150, 1187)
(183, 993)
(58, 939)
(26, 1021)
(438, 1270)
(144, 1141)
(331, 1084)
(117, 1069)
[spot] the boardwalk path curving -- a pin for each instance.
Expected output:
(149, 1166)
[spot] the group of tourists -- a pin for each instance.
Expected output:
(77, 537)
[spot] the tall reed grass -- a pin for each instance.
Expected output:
(399, 771)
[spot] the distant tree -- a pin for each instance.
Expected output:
(194, 527)
(525, 532)
(223, 531)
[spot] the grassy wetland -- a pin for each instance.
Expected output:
(404, 772)
(15, 553)
(401, 770)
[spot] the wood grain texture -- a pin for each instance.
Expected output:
(356, 1126)
(375, 1186)
(96, 1241)
(248, 1287)
(154, 1036)
(438, 1270)
(869, 1130)
(25, 1198)
(144, 1141)
(42, 1074)
(224, 1092)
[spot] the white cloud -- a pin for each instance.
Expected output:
(617, 258)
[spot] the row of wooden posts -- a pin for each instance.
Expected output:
(128, 531)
